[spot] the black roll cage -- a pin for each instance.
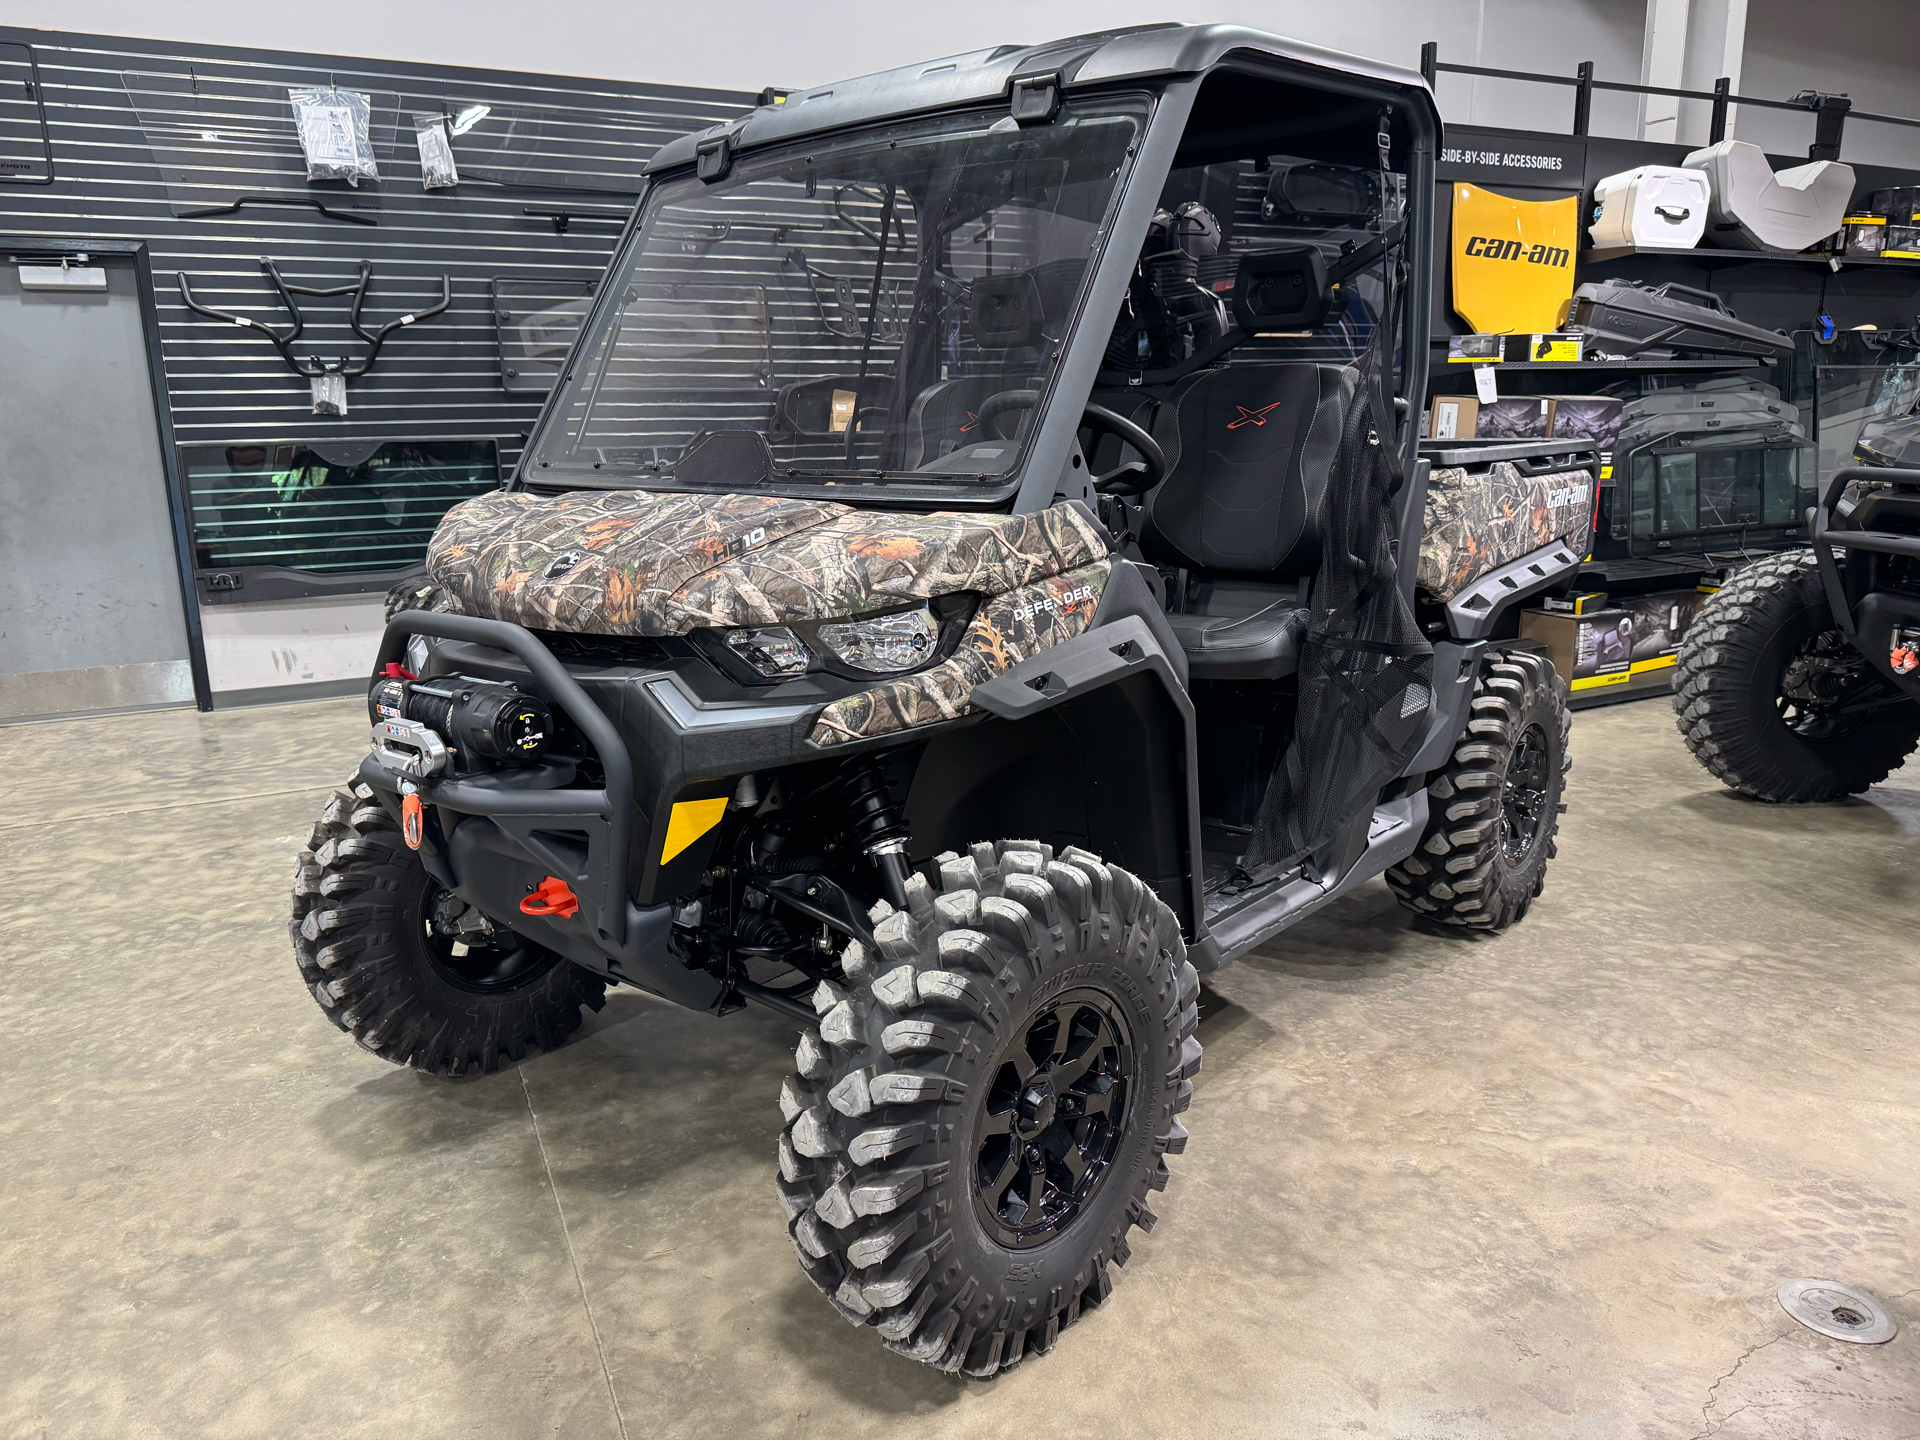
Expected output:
(1032, 485)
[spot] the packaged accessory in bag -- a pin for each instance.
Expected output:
(434, 135)
(333, 126)
(1321, 194)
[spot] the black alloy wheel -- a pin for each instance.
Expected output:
(1524, 794)
(1822, 685)
(1494, 807)
(1775, 701)
(1055, 1113)
(483, 961)
(989, 1102)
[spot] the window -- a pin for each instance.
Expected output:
(338, 517)
(881, 307)
(1717, 490)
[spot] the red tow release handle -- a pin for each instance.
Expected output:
(396, 671)
(552, 897)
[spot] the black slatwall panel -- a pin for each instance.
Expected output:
(584, 139)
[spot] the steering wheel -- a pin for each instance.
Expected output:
(1137, 477)
(999, 403)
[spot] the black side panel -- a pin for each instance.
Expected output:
(1133, 589)
(1101, 771)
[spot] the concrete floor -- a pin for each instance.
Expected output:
(1538, 1184)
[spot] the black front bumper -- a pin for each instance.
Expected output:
(494, 836)
(1865, 616)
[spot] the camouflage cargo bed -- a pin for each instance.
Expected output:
(1477, 521)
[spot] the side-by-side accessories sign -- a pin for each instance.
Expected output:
(1494, 158)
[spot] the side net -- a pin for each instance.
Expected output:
(1366, 673)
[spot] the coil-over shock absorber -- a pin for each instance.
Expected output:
(878, 828)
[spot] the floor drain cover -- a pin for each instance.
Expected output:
(1836, 1310)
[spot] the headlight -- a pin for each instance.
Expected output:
(773, 650)
(884, 644)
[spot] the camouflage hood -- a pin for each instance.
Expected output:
(633, 562)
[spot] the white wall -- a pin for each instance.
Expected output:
(1866, 47)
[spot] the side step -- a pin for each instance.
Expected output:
(1263, 912)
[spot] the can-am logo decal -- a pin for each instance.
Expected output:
(1492, 247)
(1566, 495)
(1251, 417)
(1055, 604)
(563, 563)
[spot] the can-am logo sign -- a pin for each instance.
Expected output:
(1492, 247)
(1565, 495)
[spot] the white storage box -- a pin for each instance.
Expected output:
(1754, 208)
(1661, 207)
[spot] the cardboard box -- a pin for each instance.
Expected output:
(1660, 620)
(1589, 651)
(1588, 417)
(1634, 635)
(1452, 417)
(1516, 417)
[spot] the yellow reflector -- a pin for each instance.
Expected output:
(688, 822)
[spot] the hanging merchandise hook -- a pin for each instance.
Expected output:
(328, 377)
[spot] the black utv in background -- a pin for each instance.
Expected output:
(1798, 679)
(974, 577)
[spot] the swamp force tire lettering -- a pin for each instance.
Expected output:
(880, 1155)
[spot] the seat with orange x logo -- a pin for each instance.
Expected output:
(1248, 451)
(1252, 417)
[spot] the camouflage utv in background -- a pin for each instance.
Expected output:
(968, 583)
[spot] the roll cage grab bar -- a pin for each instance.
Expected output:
(282, 341)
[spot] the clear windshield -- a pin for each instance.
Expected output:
(883, 307)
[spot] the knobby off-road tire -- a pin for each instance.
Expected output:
(1493, 810)
(363, 932)
(1729, 687)
(1047, 1001)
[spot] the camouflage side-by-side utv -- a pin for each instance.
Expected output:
(973, 577)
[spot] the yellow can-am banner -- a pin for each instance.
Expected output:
(1513, 260)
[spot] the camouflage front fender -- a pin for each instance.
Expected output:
(1008, 628)
(634, 562)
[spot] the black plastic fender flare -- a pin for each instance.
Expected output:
(1097, 658)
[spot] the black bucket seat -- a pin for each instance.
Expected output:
(1249, 449)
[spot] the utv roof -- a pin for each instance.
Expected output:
(979, 76)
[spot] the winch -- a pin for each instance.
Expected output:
(421, 728)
